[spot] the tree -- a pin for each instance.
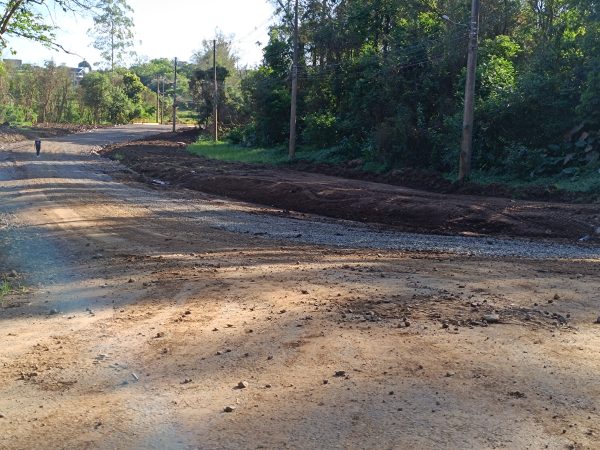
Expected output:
(229, 78)
(226, 56)
(95, 91)
(113, 31)
(25, 18)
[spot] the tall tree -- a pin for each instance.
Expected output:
(113, 31)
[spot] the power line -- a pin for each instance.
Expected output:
(246, 37)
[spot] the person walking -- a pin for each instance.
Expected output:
(38, 147)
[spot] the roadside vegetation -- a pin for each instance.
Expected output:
(380, 84)
(10, 285)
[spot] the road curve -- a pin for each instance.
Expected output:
(70, 176)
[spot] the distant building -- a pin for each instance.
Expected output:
(13, 63)
(77, 73)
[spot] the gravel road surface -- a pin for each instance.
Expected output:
(150, 318)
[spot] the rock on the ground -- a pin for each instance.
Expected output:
(492, 318)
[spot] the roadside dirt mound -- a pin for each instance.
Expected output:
(163, 161)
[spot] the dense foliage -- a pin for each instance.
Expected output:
(31, 94)
(383, 80)
(380, 80)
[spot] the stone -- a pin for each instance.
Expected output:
(598, 320)
(53, 312)
(340, 373)
(229, 409)
(242, 385)
(492, 318)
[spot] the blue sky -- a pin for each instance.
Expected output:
(166, 29)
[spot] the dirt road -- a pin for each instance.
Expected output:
(137, 319)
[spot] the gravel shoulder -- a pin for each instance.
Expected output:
(143, 309)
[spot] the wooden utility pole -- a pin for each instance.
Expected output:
(216, 93)
(175, 99)
(294, 107)
(157, 100)
(466, 148)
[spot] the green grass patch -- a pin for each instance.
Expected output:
(588, 182)
(225, 151)
(10, 286)
(5, 289)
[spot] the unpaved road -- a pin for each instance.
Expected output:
(140, 313)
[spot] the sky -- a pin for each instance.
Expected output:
(163, 29)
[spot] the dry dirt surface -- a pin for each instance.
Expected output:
(136, 321)
(163, 159)
(10, 135)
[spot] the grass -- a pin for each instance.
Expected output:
(118, 156)
(225, 151)
(5, 289)
(8, 288)
(588, 182)
(585, 182)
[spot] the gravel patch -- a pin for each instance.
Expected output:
(352, 235)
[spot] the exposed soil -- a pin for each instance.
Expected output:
(162, 159)
(10, 134)
(138, 326)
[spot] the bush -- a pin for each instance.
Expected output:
(522, 162)
(320, 130)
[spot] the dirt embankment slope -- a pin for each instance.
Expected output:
(163, 158)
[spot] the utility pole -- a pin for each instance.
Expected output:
(294, 106)
(157, 100)
(175, 99)
(216, 94)
(162, 103)
(466, 148)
